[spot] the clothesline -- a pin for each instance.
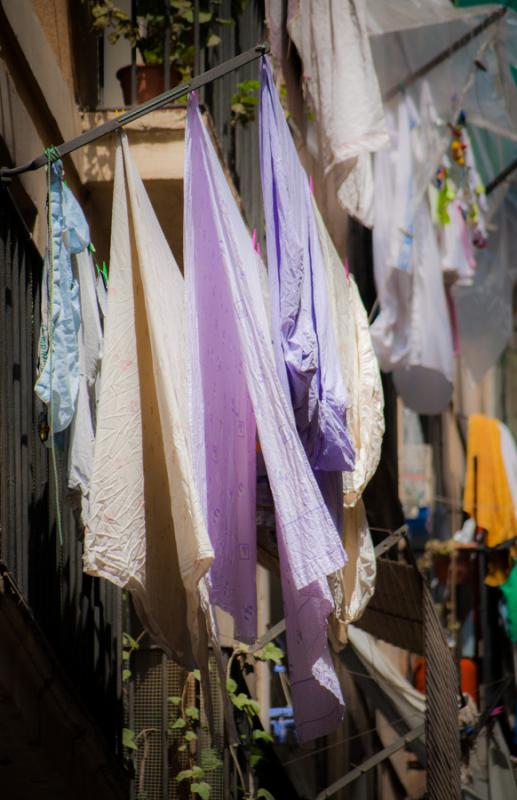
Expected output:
(155, 103)
(444, 55)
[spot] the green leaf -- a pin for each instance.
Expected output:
(231, 685)
(262, 736)
(202, 789)
(255, 759)
(126, 674)
(180, 723)
(182, 748)
(197, 675)
(270, 653)
(125, 655)
(184, 775)
(197, 772)
(213, 40)
(175, 700)
(192, 712)
(128, 641)
(128, 739)
(190, 736)
(265, 794)
(239, 700)
(226, 23)
(238, 108)
(209, 759)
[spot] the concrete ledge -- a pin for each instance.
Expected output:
(156, 140)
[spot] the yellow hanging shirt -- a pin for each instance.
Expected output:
(495, 511)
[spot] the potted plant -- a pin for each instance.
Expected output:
(159, 26)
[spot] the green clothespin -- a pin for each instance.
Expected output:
(103, 271)
(100, 270)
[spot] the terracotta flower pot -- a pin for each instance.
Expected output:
(149, 81)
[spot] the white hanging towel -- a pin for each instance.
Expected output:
(82, 432)
(343, 94)
(412, 334)
(146, 530)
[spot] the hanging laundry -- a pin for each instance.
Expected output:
(82, 433)
(222, 420)
(305, 347)
(353, 586)
(509, 453)
(359, 367)
(341, 93)
(412, 335)
(219, 250)
(146, 530)
(509, 590)
(57, 384)
(488, 497)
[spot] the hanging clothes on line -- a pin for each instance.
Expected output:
(57, 384)
(412, 334)
(353, 586)
(304, 341)
(146, 529)
(359, 367)
(82, 432)
(341, 93)
(219, 250)
(488, 496)
(221, 414)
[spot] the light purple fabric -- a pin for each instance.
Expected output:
(219, 250)
(222, 420)
(305, 347)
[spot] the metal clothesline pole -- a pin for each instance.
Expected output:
(459, 44)
(140, 111)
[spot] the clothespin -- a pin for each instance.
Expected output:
(347, 269)
(311, 184)
(254, 238)
(259, 249)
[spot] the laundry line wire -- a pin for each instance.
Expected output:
(94, 134)
(414, 714)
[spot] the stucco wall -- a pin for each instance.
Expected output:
(53, 18)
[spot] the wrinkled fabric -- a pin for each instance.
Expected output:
(509, 453)
(304, 342)
(458, 262)
(57, 384)
(359, 367)
(222, 422)
(412, 335)
(309, 546)
(82, 432)
(487, 496)
(353, 586)
(342, 93)
(146, 530)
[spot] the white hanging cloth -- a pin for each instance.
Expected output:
(82, 432)
(412, 334)
(146, 530)
(341, 91)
